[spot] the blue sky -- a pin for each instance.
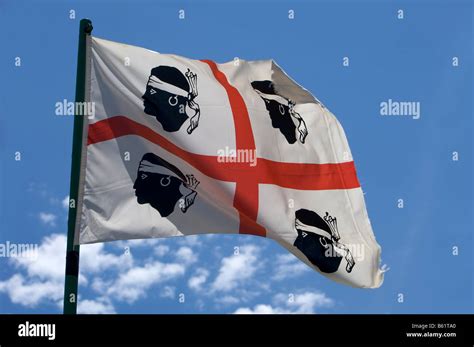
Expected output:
(409, 59)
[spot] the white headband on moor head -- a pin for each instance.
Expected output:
(157, 83)
(340, 248)
(309, 228)
(278, 98)
(146, 166)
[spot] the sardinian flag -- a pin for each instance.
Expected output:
(181, 147)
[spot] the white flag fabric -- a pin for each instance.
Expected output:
(181, 147)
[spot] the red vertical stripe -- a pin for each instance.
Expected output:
(246, 190)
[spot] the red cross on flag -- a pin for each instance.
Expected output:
(180, 147)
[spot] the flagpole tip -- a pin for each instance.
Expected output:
(86, 24)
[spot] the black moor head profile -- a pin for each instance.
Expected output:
(168, 95)
(162, 185)
(318, 239)
(281, 111)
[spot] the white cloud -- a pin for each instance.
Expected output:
(237, 268)
(94, 259)
(161, 250)
(101, 285)
(135, 283)
(143, 242)
(136, 243)
(185, 255)
(227, 300)
(65, 202)
(198, 279)
(306, 302)
(99, 306)
(50, 260)
(302, 303)
(258, 309)
(31, 292)
(288, 266)
(168, 292)
(43, 277)
(40, 279)
(117, 277)
(47, 218)
(190, 241)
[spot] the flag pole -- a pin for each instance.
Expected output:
(72, 252)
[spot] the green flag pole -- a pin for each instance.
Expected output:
(72, 254)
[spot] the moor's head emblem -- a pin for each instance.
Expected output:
(318, 239)
(170, 95)
(163, 185)
(282, 112)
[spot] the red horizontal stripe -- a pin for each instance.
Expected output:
(118, 126)
(306, 176)
(301, 176)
